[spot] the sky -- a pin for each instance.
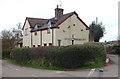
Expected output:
(14, 11)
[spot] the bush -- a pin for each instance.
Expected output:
(109, 49)
(40, 55)
(6, 53)
(72, 56)
(116, 49)
(75, 56)
(20, 55)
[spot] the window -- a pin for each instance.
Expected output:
(72, 39)
(73, 24)
(50, 44)
(26, 31)
(63, 30)
(35, 33)
(72, 36)
(45, 44)
(48, 31)
(68, 26)
(37, 26)
(33, 45)
(38, 45)
(59, 43)
(81, 29)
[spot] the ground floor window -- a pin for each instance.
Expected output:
(45, 44)
(59, 43)
(33, 45)
(50, 44)
(38, 45)
(72, 42)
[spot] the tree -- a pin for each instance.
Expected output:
(11, 37)
(96, 31)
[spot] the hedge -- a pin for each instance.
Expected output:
(6, 53)
(20, 55)
(72, 56)
(75, 56)
(37, 56)
(40, 55)
(116, 49)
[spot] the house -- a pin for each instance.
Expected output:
(61, 30)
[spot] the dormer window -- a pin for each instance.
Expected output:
(37, 26)
(49, 24)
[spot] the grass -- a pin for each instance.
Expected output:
(99, 65)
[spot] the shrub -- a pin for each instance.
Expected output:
(109, 49)
(77, 55)
(116, 49)
(72, 56)
(40, 55)
(20, 55)
(6, 53)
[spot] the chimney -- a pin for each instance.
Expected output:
(58, 12)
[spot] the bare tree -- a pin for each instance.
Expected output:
(10, 38)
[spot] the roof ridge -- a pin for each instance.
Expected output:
(36, 18)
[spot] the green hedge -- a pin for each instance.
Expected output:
(116, 49)
(75, 56)
(109, 49)
(6, 53)
(38, 56)
(20, 55)
(72, 56)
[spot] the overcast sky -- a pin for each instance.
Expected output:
(15, 11)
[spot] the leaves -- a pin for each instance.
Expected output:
(97, 31)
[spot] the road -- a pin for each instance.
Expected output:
(11, 70)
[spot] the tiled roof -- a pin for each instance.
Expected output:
(55, 22)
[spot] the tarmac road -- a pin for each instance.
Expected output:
(11, 70)
(110, 70)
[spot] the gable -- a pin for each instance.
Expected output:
(26, 25)
(74, 13)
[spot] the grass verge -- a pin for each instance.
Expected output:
(99, 65)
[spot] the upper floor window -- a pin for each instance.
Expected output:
(48, 31)
(68, 26)
(35, 33)
(26, 31)
(73, 24)
(81, 29)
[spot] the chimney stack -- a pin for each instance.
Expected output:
(58, 12)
